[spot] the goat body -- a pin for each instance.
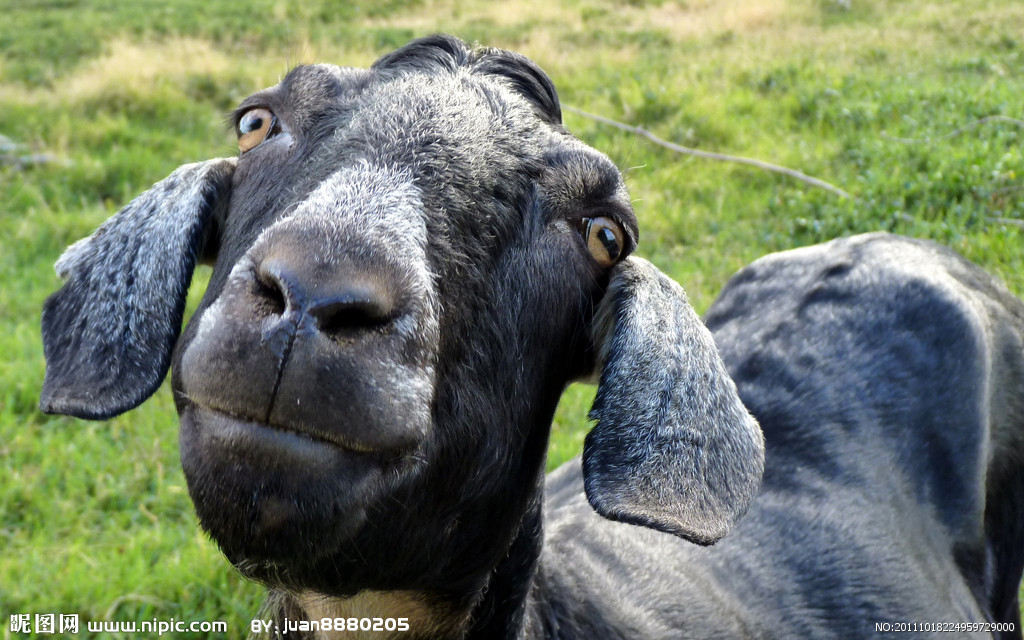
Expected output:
(886, 374)
(412, 261)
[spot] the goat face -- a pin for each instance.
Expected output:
(410, 264)
(425, 278)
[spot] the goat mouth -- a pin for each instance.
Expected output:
(269, 495)
(299, 439)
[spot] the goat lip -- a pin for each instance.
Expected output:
(297, 438)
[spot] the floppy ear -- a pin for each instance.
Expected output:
(108, 333)
(674, 448)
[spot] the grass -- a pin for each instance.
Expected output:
(95, 518)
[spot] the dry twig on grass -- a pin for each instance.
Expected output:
(721, 157)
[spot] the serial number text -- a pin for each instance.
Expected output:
(944, 627)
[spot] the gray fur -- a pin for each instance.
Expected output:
(887, 374)
(108, 333)
(673, 447)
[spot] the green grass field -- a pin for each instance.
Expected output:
(869, 95)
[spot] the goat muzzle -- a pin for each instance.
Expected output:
(331, 348)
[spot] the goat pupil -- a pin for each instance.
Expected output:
(254, 123)
(609, 242)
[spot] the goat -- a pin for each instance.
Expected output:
(412, 261)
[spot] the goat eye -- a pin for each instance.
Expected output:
(604, 239)
(255, 126)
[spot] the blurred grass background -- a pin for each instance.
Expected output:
(100, 98)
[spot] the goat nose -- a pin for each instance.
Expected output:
(336, 299)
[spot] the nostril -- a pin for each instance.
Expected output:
(353, 310)
(271, 294)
